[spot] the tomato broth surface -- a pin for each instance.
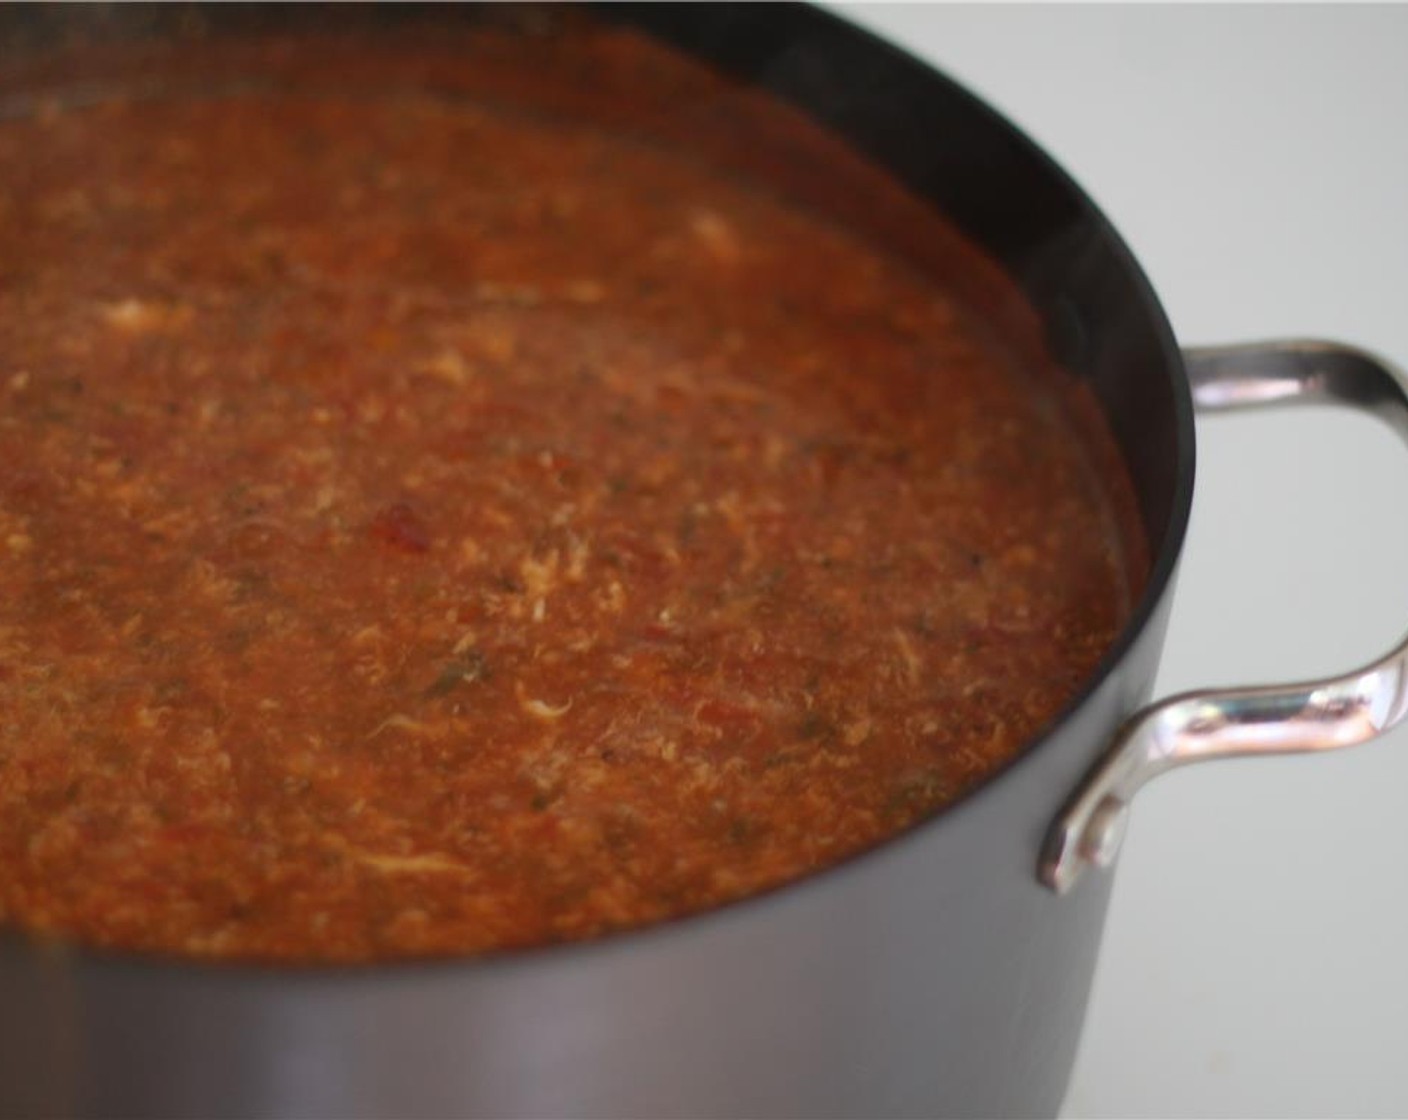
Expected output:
(430, 527)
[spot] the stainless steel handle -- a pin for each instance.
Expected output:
(1227, 723)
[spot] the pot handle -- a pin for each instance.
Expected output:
(1226, 723)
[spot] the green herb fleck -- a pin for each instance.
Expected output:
(466, 668)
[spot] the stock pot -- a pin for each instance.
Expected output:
(944, 973)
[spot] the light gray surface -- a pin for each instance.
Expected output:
(1256, 159)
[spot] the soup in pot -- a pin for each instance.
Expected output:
(434, 523)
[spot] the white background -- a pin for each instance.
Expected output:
(1256, 159)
